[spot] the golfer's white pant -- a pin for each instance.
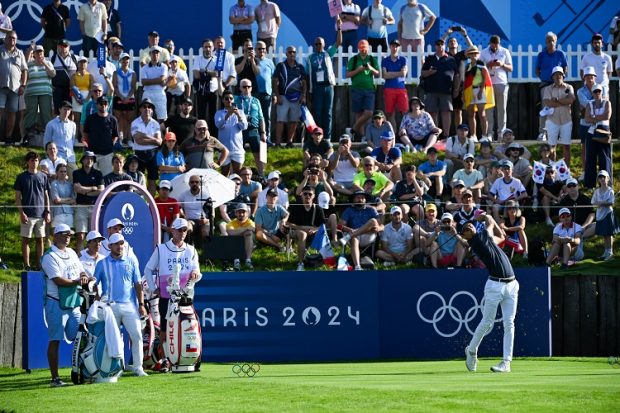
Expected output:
(504, 294)
(127, 315)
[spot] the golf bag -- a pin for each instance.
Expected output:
(153, 351)
(183, 345)
(91, 360)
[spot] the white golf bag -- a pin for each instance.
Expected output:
(91, 360)
(153, 351)
(183, 345)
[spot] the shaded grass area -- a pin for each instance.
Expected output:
(289, 163)
(567, 384)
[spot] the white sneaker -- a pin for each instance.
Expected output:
(343, 241)
(300, 267)
(502, 367)
(237, 264)
(473, 138)
(542, 136)
(608, 256)
(358, 268)
(471, 360)
(388, 263)
(139, 371)
(549, 222)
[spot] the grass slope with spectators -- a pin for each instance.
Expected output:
(289, 163)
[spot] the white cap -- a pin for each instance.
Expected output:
(164, 183)
(447, 215)
(242, 206)
(468, 156)
(80, 58)
(179, 223)
(589, 70)
(115, 238)
(123, 55)
(233, 177)
(564, 211)
(94, 235)
(597, 86)
(323, 200)
(572, 180)
(556, 70)
(114, 222)
(395, 209)
(602, 172)
(62, 228)
(273, 175)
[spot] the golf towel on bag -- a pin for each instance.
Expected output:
(114, 342)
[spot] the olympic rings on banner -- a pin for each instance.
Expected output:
(246, 369)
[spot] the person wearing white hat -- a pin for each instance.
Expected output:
(559, 96)
(168, 207)
(566, 239)
(273, 182)
(124, 102)
(63, 273)
(604, 199)
(396, 240)
(91, 255)
(598, 140)
(447, 248)
(115, 226)
(471, 177)
(121, 288)
(6, 25)
(584, 96)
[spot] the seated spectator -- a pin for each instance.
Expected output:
(521, 169)
(132, 167)
(48, 165)
(494, 172)
(62, 197)
(471, 177)
(270, 220)
(606, 226)
(360, 226)
(331, 221)
(383, 185)
(199, 150)
(192, 204)
(317, 179)
(580, 206)
(388, 158)
(304, 221)
(396, 241)
(467, 210)
(227, 210)
(566, 240)
(457, 147)
(243, 226)
(375, 129)
(513, 225)
(343, 166)
(505, 188)
(117, 174)
(455, 201)
(447, 247)
(182, 123)
(374, 201)
(273, 181)
(168, 207)
(319, 146)
(409, 193)
(170, 160)
(435, 170)
(418, 127)
(485, 158)
(549, 192)
(250, 188)
(508, 137)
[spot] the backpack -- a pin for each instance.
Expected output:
(537, 254)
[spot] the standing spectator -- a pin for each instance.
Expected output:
(13, 78)
(267, 16)
(255, 134)
(317, 144)
(118, 174)
(5, 25)
(147, 139)
(62, 197)
(243, 226)
(101, 133)
(499, 62)
(65, 64)
(199, 150)
(168, 207)
(362, 69)
(206, 84)
(55, 20)
(84, 93)
(38, 94)
(418, 127)
(170, 160)
(396, 240)
(343, 166)
(264, 92)
(460, 57)
(350, 18)
(377, 17)
(478, 93)
(231, 123)
(103, 75)
(457, 147)
(441, 81)
(49, 164)
(182, 123)
(412, 26)
(394, 70)
(473, 178)
(169, 46)
(145, 54)
(61, 131)
(598, 141)
(270, 219)
(584, 95)
(566, 240)
(322, 80)
(93, 18)
(246, 65)
(33, 203)
(376, 128)
(435, 170)
(153, 77)
(229, 74)
(178, 87)
(289, 80)
(241, 16)
(87, 184)
(601, 62)
(132, 166)
(606, 226)
(559, 125)
(63, 270)
(115, 49)
(114, 20)
(124, 103)
(546, 61)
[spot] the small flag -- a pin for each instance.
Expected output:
(307, 118)
(343, 264)
(321, 243)
(562, 169)
(190, 348)
(539, 172)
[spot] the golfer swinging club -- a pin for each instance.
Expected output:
(502, 288)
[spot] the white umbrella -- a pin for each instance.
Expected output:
(214, 185)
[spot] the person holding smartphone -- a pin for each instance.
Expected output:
(231, 122)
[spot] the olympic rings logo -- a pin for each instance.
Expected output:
(14, 11)
(452, 312)
(246, 369)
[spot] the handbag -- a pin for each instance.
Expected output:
(69, 297)
(601, 136)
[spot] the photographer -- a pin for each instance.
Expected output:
(448, 248)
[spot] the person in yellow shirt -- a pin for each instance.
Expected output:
(242, 225)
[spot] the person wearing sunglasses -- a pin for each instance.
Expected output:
(566, 239)
(231, 121)
(580, 206)
(255, 134)
(559, 96)
(289, 81)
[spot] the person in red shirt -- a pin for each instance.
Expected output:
(168, 208)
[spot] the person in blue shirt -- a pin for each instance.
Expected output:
(122, 289)
(388, 158)
(266, 69)
(170, 159)
(360, 223)
(546, 60)
(394, 70)
(256, 131)
(435, 170)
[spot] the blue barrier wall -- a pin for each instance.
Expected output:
(328, 316)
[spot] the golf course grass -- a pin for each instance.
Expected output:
(535, 385)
